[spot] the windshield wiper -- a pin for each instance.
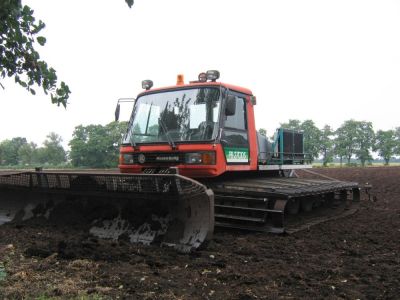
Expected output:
(132, 141)
(170, 140)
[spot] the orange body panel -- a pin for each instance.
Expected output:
(252, 134)
(184, 169)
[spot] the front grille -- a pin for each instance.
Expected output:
(168, 158)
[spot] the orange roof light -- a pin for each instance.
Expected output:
(180, 80)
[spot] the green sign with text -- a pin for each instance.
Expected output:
(237, 155)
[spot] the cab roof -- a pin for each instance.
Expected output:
(199, 84)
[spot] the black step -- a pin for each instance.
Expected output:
(248, 208)
(240, 218)
(265, 228)
(241, 198)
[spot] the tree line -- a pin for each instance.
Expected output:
(18, 151)
(92, 146)
(352, 140)
(97, 146)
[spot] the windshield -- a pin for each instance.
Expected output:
(175, 116)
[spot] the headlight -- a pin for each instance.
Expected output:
(200, 158)
(127, 159)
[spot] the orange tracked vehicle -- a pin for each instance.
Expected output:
(191, 159)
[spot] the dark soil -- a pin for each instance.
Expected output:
(355, 257)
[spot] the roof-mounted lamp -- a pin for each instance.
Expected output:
(202, 77)
(212, 75)
(147, 84)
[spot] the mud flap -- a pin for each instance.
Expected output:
(169, 210)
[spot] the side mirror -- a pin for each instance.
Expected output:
(230, 107)
(117, 110)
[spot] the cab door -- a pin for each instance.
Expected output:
(234, 138)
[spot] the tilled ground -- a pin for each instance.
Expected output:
(356, 257)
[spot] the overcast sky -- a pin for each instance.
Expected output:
(328, 61)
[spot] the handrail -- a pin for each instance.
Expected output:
(282, 158)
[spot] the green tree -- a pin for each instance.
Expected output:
(52, 152)
(129, 2)
(9, 150)
(292, 124)
(385, 144)
(20, 34)
(312, 138)
(27, 154)
(355, 138)
(397, 139)
(263, 131)
(326, 144)
(339, 146)
(346, 140)
(96, 146)
(365, 140)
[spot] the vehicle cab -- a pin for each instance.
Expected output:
(201, 129)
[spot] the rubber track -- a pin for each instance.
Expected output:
(282, 188)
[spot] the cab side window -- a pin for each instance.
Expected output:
(238, 120)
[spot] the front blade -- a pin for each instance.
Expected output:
(164, 209)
